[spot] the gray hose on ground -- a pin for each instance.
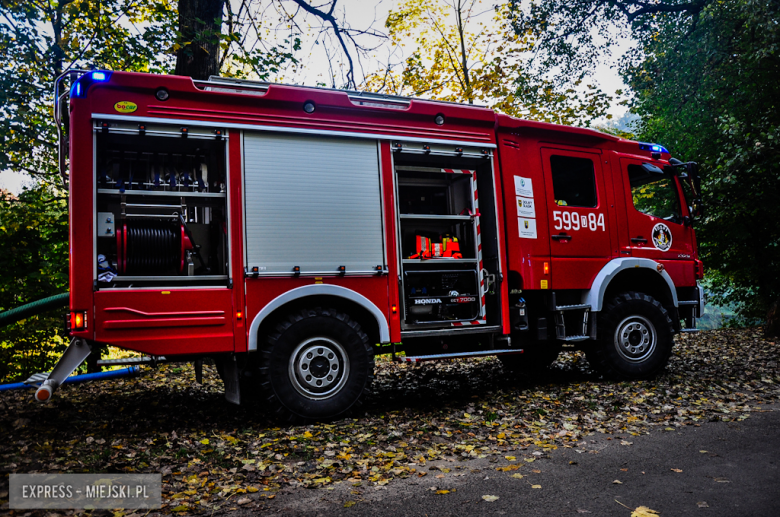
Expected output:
(31, 309)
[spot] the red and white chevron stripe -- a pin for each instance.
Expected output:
(481, 320)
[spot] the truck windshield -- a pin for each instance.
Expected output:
(654, 195)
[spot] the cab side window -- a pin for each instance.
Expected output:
(653, 195)
(574, 181)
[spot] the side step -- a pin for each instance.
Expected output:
(574, 339)
(560, 321)
(480, 353)
(690, 331)
(576, 307)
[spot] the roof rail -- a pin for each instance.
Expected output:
(359, 98)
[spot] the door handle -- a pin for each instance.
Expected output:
(561, 237)
(637, 240)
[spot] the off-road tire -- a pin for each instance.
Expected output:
(635, 338)
(536, 357)
(309, 328)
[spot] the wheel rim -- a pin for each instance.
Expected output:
(635, 339)
(319, 368)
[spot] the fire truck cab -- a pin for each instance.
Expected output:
(291, 233)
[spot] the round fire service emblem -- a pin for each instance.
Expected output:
(662, 237)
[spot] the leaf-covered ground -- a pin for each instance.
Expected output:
(215, 457)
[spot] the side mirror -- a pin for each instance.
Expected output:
(650, 169)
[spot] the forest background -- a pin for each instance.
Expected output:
(702, 78)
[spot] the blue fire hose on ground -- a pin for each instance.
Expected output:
(100, 376)
(45, 305)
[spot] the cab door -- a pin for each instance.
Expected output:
(578, 216)
(656, 218)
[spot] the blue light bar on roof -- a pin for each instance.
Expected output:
(81, 85)
(653, 148)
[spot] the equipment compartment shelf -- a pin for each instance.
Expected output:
(167, 193)
(439, 261)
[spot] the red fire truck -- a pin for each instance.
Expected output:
(289, 233)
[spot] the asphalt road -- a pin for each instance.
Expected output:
(723, 469)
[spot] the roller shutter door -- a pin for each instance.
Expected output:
(312, 202)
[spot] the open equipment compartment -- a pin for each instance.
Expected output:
(161, 206)
(445, 280)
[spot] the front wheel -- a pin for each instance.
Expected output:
(634, 339)
(316, 365)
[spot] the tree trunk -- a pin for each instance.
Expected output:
(772, 327)
(200, 24)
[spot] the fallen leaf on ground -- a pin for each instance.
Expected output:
(442, 492)
(676, 470)
(349, 504)
(720, 375)
(702, 504)
(536, 486)
(617, 482)
(517, 476)
(490, 498)
(644, 511)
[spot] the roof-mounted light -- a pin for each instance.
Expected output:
(81, 85)
(653, 148)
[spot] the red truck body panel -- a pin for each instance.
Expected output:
(543, 243)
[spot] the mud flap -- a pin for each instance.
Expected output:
(229, 371)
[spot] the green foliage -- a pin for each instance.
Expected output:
(708, 88)
(460, 57)
(704, 75)
(40, 40)
(33, 258)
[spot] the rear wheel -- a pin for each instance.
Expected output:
(316, 365)
(635, 338)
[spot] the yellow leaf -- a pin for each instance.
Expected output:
(205, 441)
(181, 508)
(349, 504)
(490, 498)
(501, 436)
(529, 460)
(252, 489)
(536, 486)
(442, 492)
(644, 511)
(517, 476)
(510, 458)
